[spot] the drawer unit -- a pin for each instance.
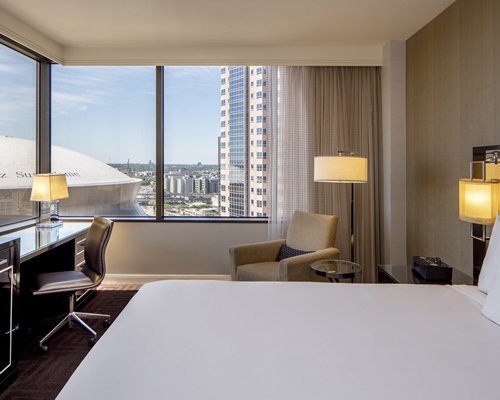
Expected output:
(80, 252)
(9, 320)
(82, 295)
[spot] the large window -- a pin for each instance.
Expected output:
(210, 119)
(104, 132)
(194, 119)
(18, 122)
(103, 139)
(104, 136)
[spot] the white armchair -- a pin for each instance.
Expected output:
(313, 234)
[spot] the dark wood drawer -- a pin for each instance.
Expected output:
(5, 255)
(80, 251)
(9, 267)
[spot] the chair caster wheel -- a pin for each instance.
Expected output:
(42, 349)
(106, 323)
(92, 342)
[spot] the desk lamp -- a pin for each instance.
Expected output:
(48, 189)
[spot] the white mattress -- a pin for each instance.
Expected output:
(236, 340)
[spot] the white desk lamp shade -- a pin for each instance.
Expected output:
(345, 169)
(49, 187)
(478, 201)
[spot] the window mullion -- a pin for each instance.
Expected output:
(160, 124)
(43, 117)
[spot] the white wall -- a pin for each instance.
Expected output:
(177, 248)
(394, 152)
(22, 33)
(243, 55)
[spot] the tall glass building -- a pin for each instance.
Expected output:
(243, 141)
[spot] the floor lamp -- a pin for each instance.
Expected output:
(342, 168)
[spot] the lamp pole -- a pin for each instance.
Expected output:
(345, 167)
(352, 222)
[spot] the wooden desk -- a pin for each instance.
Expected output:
(46, 250)
(35, 242)
(38, 250)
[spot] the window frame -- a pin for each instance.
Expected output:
(42, 118)
(43, 139)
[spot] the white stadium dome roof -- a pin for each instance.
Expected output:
(17, 166)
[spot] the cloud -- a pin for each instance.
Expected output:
(192, 71)
(17, 94)
(17, 103)
(64, 102)
(77, 88)
(7, 68)
(192, 78)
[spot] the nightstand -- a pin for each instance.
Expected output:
(405, 274)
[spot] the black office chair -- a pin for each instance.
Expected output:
(70, 282)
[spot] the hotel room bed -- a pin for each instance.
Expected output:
(238, 340)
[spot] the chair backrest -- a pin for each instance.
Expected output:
(311, 232)
(95, 248)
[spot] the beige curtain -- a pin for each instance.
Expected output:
(340, 109)
(347, 116)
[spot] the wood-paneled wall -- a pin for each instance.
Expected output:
(453, 104)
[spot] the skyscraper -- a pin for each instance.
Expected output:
(243, 141)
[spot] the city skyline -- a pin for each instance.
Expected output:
(214, 119)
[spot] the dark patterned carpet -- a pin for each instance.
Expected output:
(42, 377)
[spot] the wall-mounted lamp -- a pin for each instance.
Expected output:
(49, 189)
(479, 202)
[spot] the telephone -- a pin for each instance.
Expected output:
(432, 268)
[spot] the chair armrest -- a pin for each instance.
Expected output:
(253, 253)
(298, 268)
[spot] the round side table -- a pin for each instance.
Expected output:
(337, 270)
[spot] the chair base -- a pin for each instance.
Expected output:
(75, 317)
(70, 318)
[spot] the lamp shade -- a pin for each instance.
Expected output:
(49, 187)
(492, 171)
(345, 169)
(478, 201)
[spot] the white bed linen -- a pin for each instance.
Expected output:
(472, 292)
(246, 340)
(491, 309)
(490, 266)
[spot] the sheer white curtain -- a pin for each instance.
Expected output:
(318, 111)
(291, 146)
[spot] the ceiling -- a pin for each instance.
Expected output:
(220, 23)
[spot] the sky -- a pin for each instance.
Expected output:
(108, 113)
(17, 94)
